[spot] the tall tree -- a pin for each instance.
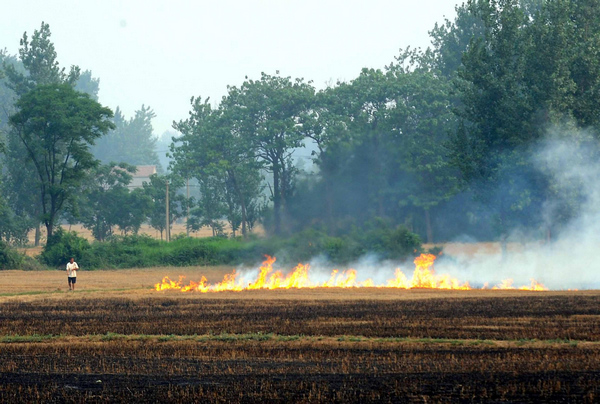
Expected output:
(88, 84)
(39, 59)
(37, 65)
(421, 120)
(267, 113)
(107, 201)
(57, 125)
(132, 141)
(212, 149)
(156, 190)
(497, 112)
(534, 67)
(210, 208)
(452, 38)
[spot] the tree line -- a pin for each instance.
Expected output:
(440, 141)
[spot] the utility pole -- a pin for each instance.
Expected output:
(187, 202)
(168, 229)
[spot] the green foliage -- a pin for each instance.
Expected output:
(266, 114)
(530, 68)
(416, 143)
(37, 66)
(9, 258)
(107, 201)
(138, 251)
(38, 57)
(13, 228)
(211, 150)
(89, 85)
(56, 124)
(388, 241)
(156, 192)
(62, 245)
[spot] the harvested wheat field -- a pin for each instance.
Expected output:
(116, 339)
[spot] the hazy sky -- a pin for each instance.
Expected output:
(161, 53)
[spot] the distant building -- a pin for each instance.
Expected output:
(142, 175)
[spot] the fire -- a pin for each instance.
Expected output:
(507, 284)
(423, 277)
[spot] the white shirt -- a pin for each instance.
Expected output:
(72, 269)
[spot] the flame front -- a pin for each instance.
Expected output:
(507, 284)
(423, 277)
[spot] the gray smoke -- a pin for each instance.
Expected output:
(571, 259)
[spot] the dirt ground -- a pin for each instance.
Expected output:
(357, 346)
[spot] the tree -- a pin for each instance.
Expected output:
(381, 143)
(452, 38)
(210, 208)
(37, 65)
(533, 68)
(132, 140)
(7, 94)
(108, 203)
(134, 211)
(421, 120)
(87, 84)
(57, 125)
(39, 59)
(267, 113)
(156, 190)
(213, 151)
(497, 111)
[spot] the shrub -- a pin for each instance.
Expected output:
(144, 251)
(389, 242)
(62, 245)
(9, 258)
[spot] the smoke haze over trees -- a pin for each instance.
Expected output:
(441, 141)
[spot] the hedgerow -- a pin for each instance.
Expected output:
(137, 251)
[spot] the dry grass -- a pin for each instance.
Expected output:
(139, 283)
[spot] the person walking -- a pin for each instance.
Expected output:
(72, 268)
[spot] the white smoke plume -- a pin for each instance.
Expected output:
(571, 259)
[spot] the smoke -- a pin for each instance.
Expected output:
(564, 253)
(569, 162)
(570, 259)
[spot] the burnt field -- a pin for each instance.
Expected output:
(523, 347)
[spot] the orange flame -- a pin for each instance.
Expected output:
(507, 284)
(423, 277)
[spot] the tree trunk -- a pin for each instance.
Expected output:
(49, 230)
(242, 203)
(328, 202)
(276, 200)
(38, 235)
(428, 227)
(283, 179)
